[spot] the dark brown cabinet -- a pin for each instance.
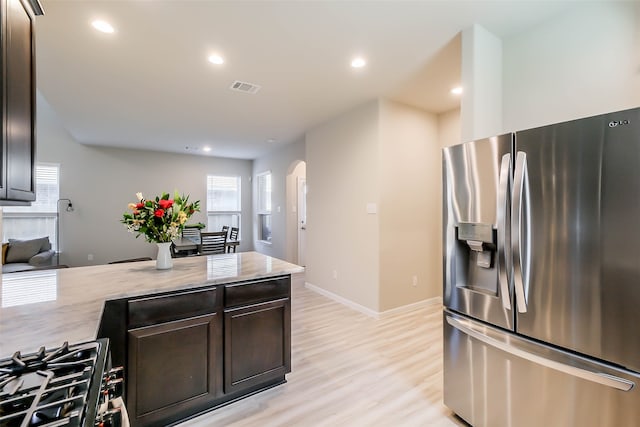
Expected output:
(188, 352)
(257, 332)
(18, 90)
(256, 342)
(174, 365)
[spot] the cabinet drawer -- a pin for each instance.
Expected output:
(257, 291)
(167, 308)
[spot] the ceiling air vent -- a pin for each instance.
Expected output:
(244, 87)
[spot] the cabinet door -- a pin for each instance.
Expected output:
(174, 369)
(257, 344)
(20, 102)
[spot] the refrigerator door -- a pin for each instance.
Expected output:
(494, 378)
(477, 180)
(576, 235)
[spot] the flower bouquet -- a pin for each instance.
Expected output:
(160, 221)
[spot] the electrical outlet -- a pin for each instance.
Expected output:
(90, 257)
(414, 281)
(335, 274)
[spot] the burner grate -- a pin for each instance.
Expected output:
(48, 388)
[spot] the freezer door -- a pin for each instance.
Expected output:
(576, 235)
(477, 180)
(493, 378)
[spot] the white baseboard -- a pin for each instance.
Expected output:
(413, 306)
(369, 312)
(344, 301)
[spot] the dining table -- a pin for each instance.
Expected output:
(184, 246)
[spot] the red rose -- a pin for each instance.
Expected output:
(140, 206)
(165, 204)
(159, 213)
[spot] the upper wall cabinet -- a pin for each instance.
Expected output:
(18, 94)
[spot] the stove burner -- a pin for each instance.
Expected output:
(48, 388)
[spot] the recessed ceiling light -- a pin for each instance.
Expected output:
(207, 149)
(271, 140)
(457, 90)
(358, 62)
(216, 59)
(102, 26)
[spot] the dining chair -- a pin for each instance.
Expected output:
(191, 233)
(232, 243)
(213, 242)
(233, 235)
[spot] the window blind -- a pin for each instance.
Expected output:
(264, 192)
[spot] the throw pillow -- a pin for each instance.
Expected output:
(23, 250)
(5, 246)
(42, 258)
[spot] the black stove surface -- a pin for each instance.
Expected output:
(56, 387)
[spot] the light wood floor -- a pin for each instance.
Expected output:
(350, 370)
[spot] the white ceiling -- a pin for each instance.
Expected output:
(149, 85)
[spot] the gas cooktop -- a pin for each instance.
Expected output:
(55, 387)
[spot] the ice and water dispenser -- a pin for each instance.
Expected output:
(476, 253)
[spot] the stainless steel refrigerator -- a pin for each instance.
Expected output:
(542, 275)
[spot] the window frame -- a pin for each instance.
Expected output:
(26, 212)
(264, 207)
(220, 212)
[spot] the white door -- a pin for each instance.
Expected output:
(302, 219)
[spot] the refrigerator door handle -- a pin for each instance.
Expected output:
(504, 239)
(511, 347)
(521, 245)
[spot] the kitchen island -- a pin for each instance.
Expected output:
(218, 326)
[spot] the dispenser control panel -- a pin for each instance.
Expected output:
(481, 240)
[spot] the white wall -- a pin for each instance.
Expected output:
(481, 104)
(342, 178)
(409, 214)
(386, 155)
(281, 163)
(449, 130)
(583, 63)
(102, 181)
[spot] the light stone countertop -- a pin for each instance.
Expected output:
(48, 307)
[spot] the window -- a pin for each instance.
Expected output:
(39, 219)
(264, 206)
(223, 202)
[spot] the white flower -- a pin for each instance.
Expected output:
(139, 196)
(173, 231)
